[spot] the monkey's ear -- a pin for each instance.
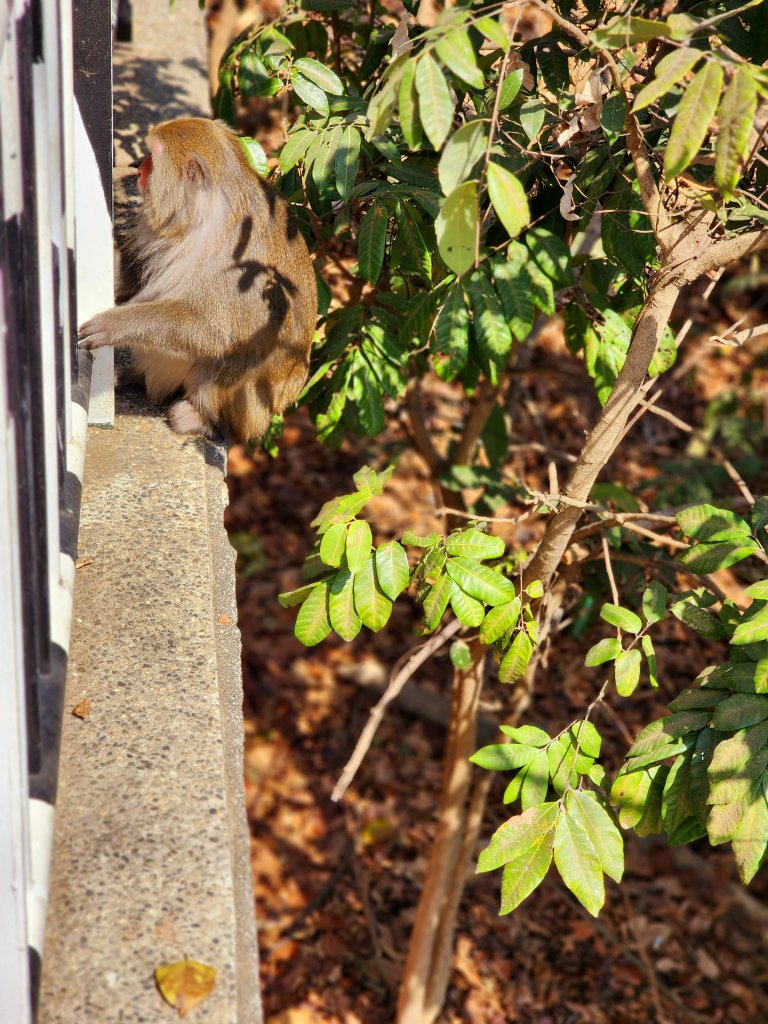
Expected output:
(198, 170)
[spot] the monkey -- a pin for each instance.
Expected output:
(226, 306)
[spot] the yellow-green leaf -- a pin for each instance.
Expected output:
(312, 622)
(669, 71)
(735, 119)
(371, 603)
(392, 568)
(509, 199)
(341, 606)
(435, 103)
(185, 984)
(456, 227)
(694, 117)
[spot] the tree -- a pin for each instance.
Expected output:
(496, 165)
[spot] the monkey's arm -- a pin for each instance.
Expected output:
(165, 326)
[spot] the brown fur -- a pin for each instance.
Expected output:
(227, 301)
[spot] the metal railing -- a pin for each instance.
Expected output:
(55, 201)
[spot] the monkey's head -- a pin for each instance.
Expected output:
(193, 165)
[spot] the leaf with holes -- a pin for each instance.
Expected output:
(456, 226)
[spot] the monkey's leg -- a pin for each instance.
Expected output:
(185, 419)
(170, 326)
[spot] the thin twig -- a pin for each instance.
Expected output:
(609, 571)
(401, 673)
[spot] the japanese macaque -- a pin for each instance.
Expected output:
(227, 303)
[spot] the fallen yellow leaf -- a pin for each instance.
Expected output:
(185, 984)
(83, 709)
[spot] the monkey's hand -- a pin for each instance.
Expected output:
(99, 331)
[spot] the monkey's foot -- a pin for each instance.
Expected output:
(185, 419)
(94, 333)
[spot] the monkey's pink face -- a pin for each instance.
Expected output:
(145, 170)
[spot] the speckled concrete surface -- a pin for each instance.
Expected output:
(142, 868)
(151, 853)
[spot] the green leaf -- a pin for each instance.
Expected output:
(524, 846)
(462, 152)
(758, 591)
(293, 151)
(408, 107)
(513, 288)
(650, 656)
(761, 676)
(435, 103)
(321, 75)
(312, 622)
(460, 655)
(290, 598)
(534, 781)
(626, 30)
(515, 661)
(436, 602)
(499, 620)
(613, 116)
(255, 155)
(627, 672)
(392, 568)
(579, 864)
(334, 544)
(621, 617)
(491, 328)
(504, 757)
(532, 114)
(371, 603)
(359, 542)
(739, 711)
(341, 605)
(369, 402)
(508, 198)
(450, 338)
(753, 629)
(698, 619)
(371, 242)
(467, 610)
(254, 78)
(724, 819)
(584, 808)
(474, 544)
(415, 541)
(480, 582)
(750, 838)
(530, 735)
(630, 794)
(734, 756)
(324, 156)
(310, 93)
(694, 116)
(492, 30)
(588, 738)
(347, 161)
(535, 589)
(552, 256)
(711, 524)
(455, 51)
(654, 602)
(669, 71)
(455, 227)
(510, 87)
(707, 558)
(760, 515)
(735, 118)
(605, 650)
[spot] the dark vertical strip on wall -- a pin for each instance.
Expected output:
(25, 392)
(92, 30)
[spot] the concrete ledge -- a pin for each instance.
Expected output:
(151, 852)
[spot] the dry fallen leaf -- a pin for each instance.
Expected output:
(82, 562)
(225, 620)
(83, 709)
(185, 984)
